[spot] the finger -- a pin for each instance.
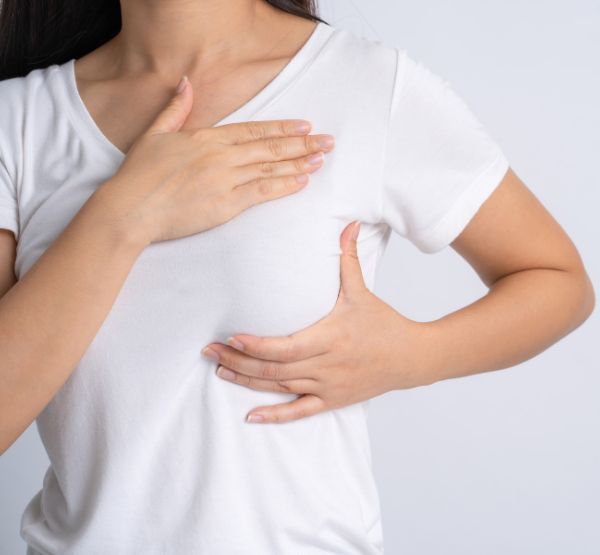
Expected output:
(304, 406)
(297, 166)
(280, 148)
(304, 344)
(298, 387)
(237, 133)
(351, 277)
(173, 116)
(259, 368)
(265, 189)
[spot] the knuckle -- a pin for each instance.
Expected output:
(290, 349)
(265, 187)
(230, 133)
(288, 184)
(310, 143)
(255, 130)
(284, 386)
(285, 128)
(278, 417)
(276, 147)
(218, 157)
(271, 371)
(299, 164)
(227, 132)
(266, 168)
(199, 134)
(173, 109)
(261, 347)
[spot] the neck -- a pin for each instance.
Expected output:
(179, 36)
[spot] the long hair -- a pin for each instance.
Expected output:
(39, 33)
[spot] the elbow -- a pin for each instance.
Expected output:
(586, 296)
(591, 303)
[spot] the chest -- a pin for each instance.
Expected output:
(122, 117)
(269, 255)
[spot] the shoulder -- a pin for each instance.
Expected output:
(17, 91)
(22, 99)
(375, 68)
(13, 93)
(365, 55)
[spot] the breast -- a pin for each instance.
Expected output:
(273, 269)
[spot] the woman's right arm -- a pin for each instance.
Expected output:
(171, 184)
(49, 317)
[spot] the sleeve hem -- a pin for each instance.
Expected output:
(8, 220)
(464, 209)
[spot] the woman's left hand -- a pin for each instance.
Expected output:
(361, 349)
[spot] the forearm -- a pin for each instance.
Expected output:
(49, 317)
(522, 315)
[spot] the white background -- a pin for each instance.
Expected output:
(506, 462)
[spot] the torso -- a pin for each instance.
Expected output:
(148, 448)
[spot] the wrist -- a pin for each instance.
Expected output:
(425, 364)
(107, 213)
(434, 354)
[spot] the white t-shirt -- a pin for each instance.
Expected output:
(149, 449)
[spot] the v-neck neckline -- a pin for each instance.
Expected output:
(86, 125)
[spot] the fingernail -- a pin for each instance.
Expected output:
(210, 353)
(326, 141)
(302, 126)
(233, 342)
(302, 178)
(255, 418)
(315, 158)
(225, 373)
(355, 231)
(181, 85)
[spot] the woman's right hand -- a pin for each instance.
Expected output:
(173, 182)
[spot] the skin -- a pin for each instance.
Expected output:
(539, 290)
(228, 49)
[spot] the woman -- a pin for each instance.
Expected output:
(145, 224)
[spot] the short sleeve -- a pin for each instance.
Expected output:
(440, 163)
(9, 217)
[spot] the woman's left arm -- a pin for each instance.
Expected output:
(539, 291)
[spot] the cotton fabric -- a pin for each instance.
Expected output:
(149, 452)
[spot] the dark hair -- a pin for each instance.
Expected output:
(39, 33)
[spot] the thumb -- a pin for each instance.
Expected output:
(351, 277)
(174, 114)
